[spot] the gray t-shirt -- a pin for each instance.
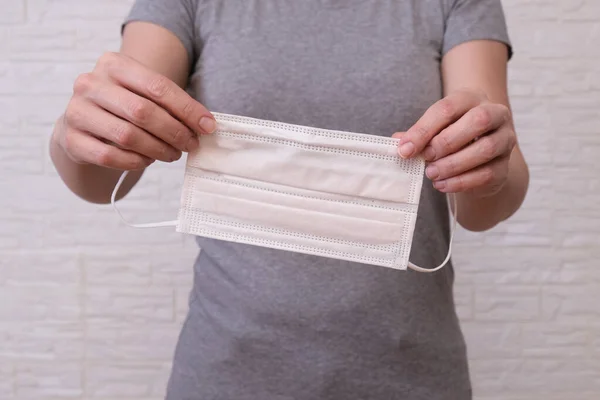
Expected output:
(267, 324)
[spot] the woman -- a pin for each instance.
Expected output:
(267, 324)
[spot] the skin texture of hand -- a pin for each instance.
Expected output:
(466, 141)
(124, 116)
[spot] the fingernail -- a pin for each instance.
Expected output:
(432, 172)
(407, 149)
(208, 125)
(192, 144)
(439, 185)
(429, 153)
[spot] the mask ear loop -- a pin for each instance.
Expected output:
(114, 205)
(175, 222)
(452, 230)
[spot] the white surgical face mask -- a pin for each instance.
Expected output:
(334, 194)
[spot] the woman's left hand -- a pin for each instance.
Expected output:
(466, 140)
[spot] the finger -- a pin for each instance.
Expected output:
(160, 90)
(480, 152)
(137, 110)
(435, 119)
(487, 177)
(84, 148)
(476, 122)
(89, 117)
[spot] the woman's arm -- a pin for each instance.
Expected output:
(104, 108)
(482, 66)
(468, 138)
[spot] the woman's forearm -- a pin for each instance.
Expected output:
(483, 213)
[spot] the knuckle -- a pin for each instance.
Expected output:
(181, 137)
(83, 83)
(488, 147)
(73, 115)
(109, 61)
(450, 168)
(504, 110)
(446, 109)
(444, 143)
(459, 184)
(66, 141)
(487, 175)
(136, 163)
(158, 87)
(483, 118)
(139, 112)
(105, 156)
(187, 110)
(420, 131)
(164, 153)
(125, 135)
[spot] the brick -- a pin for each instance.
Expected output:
(582, 152)
(509, 303)
(44, 380)
(593, 332)
(21, 155)
(41, 341)
(543, 40)
(500, 266)
(6, 380)
(175, 268)
(490, 377)
(564, 304)
(42, 196)
(574, 395)
(9, 116)
(13, 12)
(578, 230)
(540, 376)
(114, 380)
(44, 43)
(36, 74)
(46, 11)
(492, 340)
(524, 229)
(576, 268)
(576, 113)
(100, 227)
(535, 377)
(59, 303)
(555, 340)
(144, 304)
(41, 109)
(45, 268)
(121, 341)
(526, 111)
(117, 269)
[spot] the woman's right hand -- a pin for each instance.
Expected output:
(124, 116)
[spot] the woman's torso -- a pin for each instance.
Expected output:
(275, 325)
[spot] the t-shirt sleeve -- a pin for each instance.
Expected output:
(178, 16)
(469, 20)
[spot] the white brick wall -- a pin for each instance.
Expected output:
(90, 309)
